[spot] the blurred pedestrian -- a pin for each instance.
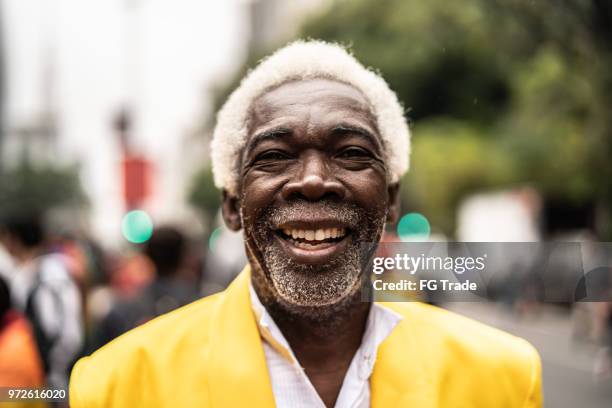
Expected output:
(20, 364)
(168, 291)
(44, 291)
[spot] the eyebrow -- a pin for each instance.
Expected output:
(269, 134)
(345, 128)
(340, 129)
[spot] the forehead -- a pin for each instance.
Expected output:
(312, 100)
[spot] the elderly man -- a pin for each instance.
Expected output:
(309, 151)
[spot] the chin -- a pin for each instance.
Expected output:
(317, 296)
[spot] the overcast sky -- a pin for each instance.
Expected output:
(85, 57)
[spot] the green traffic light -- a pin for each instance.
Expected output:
(413, 227)
(137, 226)
(214, 236)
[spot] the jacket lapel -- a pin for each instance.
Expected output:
(400, 378)
(238, 372)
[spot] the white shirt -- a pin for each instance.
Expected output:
(291, 386)
(60, 312)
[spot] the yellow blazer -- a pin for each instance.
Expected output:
(209, 354)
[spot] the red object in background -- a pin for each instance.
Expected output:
(136, 180)
(133, 273)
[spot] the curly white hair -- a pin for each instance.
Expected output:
(307, 60)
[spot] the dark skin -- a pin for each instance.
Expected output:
(311, 140)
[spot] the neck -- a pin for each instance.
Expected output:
(326, 346)
(325, 339)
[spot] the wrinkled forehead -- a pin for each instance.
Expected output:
(319, 96)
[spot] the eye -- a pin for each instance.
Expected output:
(353, 153)
(271, 155)
(271, 160)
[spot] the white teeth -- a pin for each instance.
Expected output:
(315, 235)
(320, 235)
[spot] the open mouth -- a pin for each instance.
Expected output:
(313, 244)
(313, 239)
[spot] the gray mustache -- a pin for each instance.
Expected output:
(347, 214)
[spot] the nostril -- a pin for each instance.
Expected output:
(313, 188)
(331, 196)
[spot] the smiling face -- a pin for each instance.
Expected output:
(313, 187)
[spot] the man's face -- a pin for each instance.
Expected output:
(313, 187)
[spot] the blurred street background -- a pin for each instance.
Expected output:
(106, 194)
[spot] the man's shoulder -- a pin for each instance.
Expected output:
(464, 352)
(441, 325)
(455, 339)
(166, 341)
(164, 331)
(461, 361)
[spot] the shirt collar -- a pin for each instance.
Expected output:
(381, 322)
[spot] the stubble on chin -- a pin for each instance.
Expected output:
(319, 293)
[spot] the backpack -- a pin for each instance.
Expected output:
(44, 341)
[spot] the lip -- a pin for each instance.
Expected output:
(322, 254)
(312, 224)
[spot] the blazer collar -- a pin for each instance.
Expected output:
(239, 374)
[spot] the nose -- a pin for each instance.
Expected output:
(313, 181)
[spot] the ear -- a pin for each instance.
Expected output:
(230, 208)
(394, 202)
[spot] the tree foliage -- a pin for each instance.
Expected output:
(498, 93)
(203, 195)
(28, 189)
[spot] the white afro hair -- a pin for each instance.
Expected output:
(307, 60)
